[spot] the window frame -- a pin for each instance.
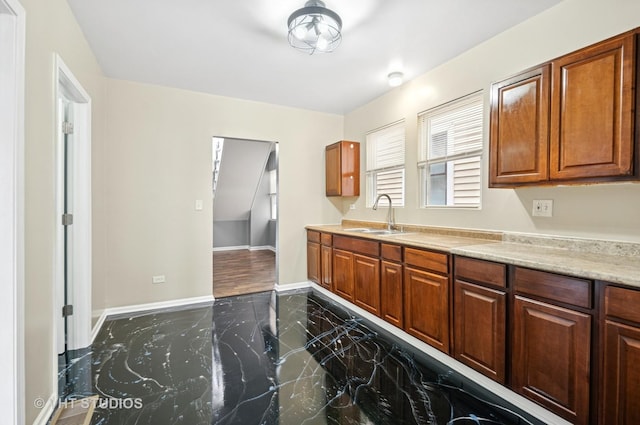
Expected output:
(373, 170)
(475, 99)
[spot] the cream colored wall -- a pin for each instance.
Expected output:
(51, 28)
(599, 211)
(159, 162)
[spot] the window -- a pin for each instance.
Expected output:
(385, 164)
(451, 153)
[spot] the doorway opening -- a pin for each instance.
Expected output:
(245, 216)
(72, 300)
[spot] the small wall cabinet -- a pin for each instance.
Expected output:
(342, 169)
(569, 120)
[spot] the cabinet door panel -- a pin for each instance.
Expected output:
(343, 274)
(426, 303)
(391, 293)
(591, 111)
(520, 128)
(621, 374)
(326, 266)
(333, 174)
(551, 357)
(313, 262)
(480, 329)
(366, 271)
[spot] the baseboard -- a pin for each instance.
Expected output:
(230, 248)
(46, 410)
(262, 248)
(113, 311)
(291, 286)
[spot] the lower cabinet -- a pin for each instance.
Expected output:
(621, 372)
(343, 273)
(480, 329)
(367, 283)
(391, 286)
(313, 256)
(326, 267)
(551, 357)
(426, 307)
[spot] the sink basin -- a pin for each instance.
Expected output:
(379, 232)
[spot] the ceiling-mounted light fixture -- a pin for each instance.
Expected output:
(314, 28)
(395, 78)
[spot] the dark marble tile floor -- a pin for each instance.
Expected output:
(268, 358)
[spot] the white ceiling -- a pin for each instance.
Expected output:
(239, 48)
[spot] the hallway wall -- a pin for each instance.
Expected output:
(51, 28)
(159, 163)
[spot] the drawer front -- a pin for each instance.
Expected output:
(326, 238)
(622, 303)
(565, 289)
(481, 271)
(391, 252)
(361, 246)
(313, 236)
(430, 260)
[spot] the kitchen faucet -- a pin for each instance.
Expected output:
(391, 221)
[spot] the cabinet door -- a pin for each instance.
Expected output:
(551, 357)
(342, 169)
(366, 271)
(426, 303)
(333, 172)
(343, 274)
(480, 329)
(591, 111)
(313, 261)
(519, 138)
(327, 266)
(621, 374)
(391, 293)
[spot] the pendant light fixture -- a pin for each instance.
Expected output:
(314, 28)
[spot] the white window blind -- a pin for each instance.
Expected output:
(385, 164)
(451, 153)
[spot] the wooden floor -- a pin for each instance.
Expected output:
(243, 272)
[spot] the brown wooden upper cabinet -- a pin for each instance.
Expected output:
(569, 120)
(342, 168)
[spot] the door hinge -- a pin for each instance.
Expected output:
(67, 219)
(67, 127)
(67, 310)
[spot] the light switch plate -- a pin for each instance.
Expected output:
(542, 208)
(199, 205)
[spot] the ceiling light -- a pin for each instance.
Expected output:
(395, 78)
(314, 28)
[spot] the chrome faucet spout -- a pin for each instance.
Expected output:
(391, 221)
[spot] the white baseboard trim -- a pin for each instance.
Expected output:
(503, 392)
(291, 286)
(146, 307)
(46, 410)
(262, 248)
(230, 248)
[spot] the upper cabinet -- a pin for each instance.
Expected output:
(569, 120)
(342, 168)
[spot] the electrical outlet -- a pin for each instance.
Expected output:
(352, 206)
(158, 279)
(542, 208)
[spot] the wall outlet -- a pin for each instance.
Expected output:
(158, 279)
(542, 208)
(352, 206)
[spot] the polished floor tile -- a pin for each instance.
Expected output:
(289, 358)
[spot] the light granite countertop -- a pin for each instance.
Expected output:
(610, 261)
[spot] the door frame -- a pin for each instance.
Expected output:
(12, 75)
(79, 324)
